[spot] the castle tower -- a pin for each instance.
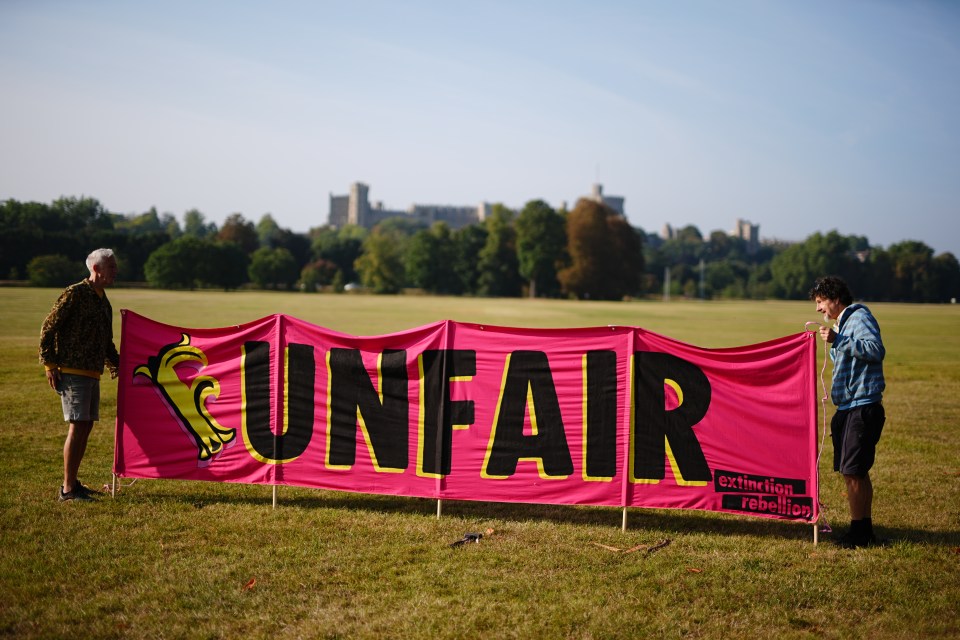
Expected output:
(358, 209)
(748, 232)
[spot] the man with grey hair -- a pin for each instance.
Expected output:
(76, 341)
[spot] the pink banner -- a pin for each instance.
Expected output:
(613, 416)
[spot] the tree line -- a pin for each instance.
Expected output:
(589, 252)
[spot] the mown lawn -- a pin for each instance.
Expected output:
(172, 559)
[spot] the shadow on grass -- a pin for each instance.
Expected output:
(892, 536)
(664, 521)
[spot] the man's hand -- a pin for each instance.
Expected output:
(53, 378)
(827, 334)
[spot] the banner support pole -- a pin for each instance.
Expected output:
(623, 527)
(274, 496)
(113, 487)
(816, 534)
(439, 507)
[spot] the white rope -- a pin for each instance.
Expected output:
(120, 485)
(823, 412)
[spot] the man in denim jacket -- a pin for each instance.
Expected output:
(857, 352)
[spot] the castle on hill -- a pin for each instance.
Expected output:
(355, 208)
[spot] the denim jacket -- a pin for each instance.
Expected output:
(857, 355)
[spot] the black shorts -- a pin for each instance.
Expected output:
(855, 434)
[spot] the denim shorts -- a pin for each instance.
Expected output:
(80, 397)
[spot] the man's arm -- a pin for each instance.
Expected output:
(51, 327)
(861, 338)
(48, 338)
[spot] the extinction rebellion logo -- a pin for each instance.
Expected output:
(763, 494)
(188, 402)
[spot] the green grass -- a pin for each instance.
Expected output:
(171, 559)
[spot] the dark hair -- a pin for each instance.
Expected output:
(832, 288)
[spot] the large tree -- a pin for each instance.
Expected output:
(273, 268)
(606, 254)
(135, 224)
(319, 273)
(178, 264)
(541, 247)
(430, 256)
(947, 271)
(794, 269)
(274, 236)
(226, 266)
(189, 262)
(380, 266)
(70, 227)
(133, 251)
(916, 275)
(54, 271)
(499, 267)
(341, 246)
(468, 242)
(268, 230)
(240, 231)
(195, 224)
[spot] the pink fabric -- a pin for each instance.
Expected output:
(467, 412)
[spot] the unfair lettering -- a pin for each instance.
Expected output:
(656, 428)
(298, 398)
(438, 413)
(528, 384)
(528, 396)
(381, 414)
(528, 393)
(600, 422)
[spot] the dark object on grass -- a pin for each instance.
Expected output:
(467, 537)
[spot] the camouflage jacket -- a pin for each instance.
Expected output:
(78, 332)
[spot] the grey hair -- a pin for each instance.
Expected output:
(98, 256)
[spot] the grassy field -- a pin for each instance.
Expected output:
(169, 559)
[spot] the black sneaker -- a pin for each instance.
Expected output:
(74, 495)
(849, 540)
(81, 488)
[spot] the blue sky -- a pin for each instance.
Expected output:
(797, 116)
